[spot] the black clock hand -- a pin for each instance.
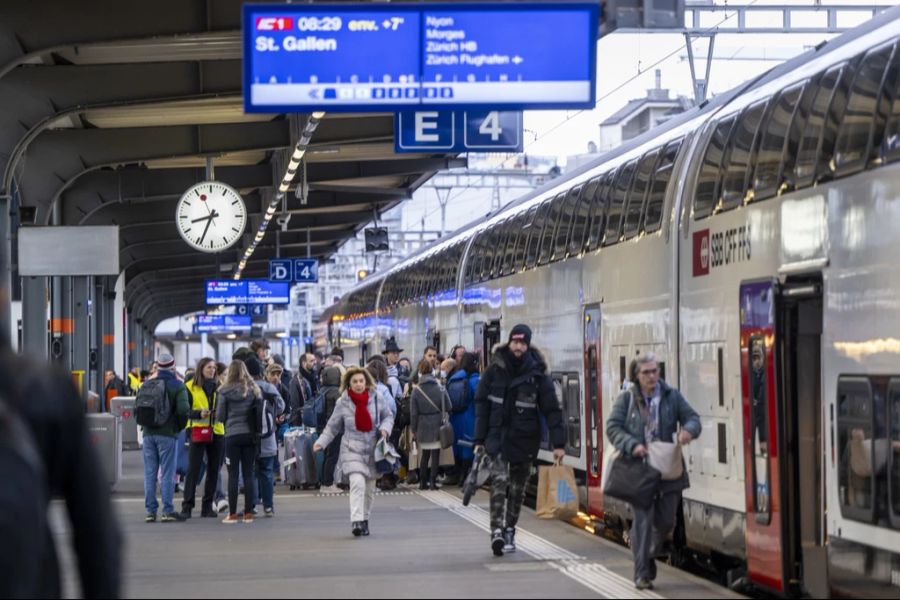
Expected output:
(202, 237)
(212, 215)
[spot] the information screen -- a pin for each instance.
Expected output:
(247, 291)
(300, 58)
(214, 323)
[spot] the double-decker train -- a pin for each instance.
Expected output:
(753, 244)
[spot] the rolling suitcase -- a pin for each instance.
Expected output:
(300, 468)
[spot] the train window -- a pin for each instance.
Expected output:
(599, 207)
(894, 461)
(656, 197)
(537, 229)
(582, 217)
(573, 415)
(617, 207)
(561, 247)
(522, 243)
(836, 110)
(759, 430)
(737, 165)
(553, 219)
(486, 252)
(515, 230)
(768, 172)
(706, 196)
(500, 248)
(857, 452)
(471, 259)
(891, 142)
(638, 193)
(812, 130)
(865, 114)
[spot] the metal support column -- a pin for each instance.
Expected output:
(214, 344)
(34, 316)
(62, 323)
(81, 334)
(135, 344)
(108, 326)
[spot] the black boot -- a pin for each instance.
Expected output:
(356, 528)
(365, 527)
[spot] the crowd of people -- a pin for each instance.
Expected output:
(434, 418)
(235, 416)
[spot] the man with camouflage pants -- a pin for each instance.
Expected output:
(512, 390)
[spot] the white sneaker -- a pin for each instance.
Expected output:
(222, 506)
(332, 489)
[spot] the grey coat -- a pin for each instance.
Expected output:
(357, 447)
(625, 425)
(233, 410)
(425, 417)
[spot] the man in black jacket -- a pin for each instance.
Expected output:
(512, 390)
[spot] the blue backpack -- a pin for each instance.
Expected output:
(460, 394)
(314, 412)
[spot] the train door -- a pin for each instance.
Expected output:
(593, 380)
(490, 338)
(781, 327)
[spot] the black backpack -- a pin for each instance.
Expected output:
(152, 406)
(460, 394)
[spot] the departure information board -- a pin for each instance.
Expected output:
(307, 57)
(214, 323)
(247, 291)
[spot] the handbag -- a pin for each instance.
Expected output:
(202, 434)
(445, 433)
(632, 480)
(665, 457)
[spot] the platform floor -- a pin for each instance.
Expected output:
(423, 545)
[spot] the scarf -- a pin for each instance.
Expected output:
(363, 418)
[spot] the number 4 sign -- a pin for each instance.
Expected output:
(458, 131)
(306, 270)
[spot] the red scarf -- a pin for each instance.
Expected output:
(363, 418)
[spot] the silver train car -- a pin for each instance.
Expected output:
(754, 245)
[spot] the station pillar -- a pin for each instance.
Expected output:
(35, 333)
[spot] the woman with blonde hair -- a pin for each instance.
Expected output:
(238, 396)
(361, 417)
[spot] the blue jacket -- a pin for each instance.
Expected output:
(625, 425)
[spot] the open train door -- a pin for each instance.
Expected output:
(781, 327)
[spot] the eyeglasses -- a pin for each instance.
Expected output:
(650, 372)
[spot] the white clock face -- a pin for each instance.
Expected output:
(211, 216)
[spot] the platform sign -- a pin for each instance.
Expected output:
(252, 310)
(458, 131)
(247, 291)
(306, 270)
(365, 57)
(216, 323)
(281, 269)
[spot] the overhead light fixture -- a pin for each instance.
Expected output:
(231, 336)
(292, 167)
(281, 334)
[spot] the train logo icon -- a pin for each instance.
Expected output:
(701, 253)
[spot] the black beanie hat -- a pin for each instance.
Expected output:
(522, 333)
(254, 367)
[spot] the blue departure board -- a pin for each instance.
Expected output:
(247, 291)
(215, 323)
(307, 57)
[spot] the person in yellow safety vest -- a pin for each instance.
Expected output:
(207, 436)
(134, 380)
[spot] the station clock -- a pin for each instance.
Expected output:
(211, 216)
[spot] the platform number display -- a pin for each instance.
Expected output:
(458, 131)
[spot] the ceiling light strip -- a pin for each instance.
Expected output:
(299, 150)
